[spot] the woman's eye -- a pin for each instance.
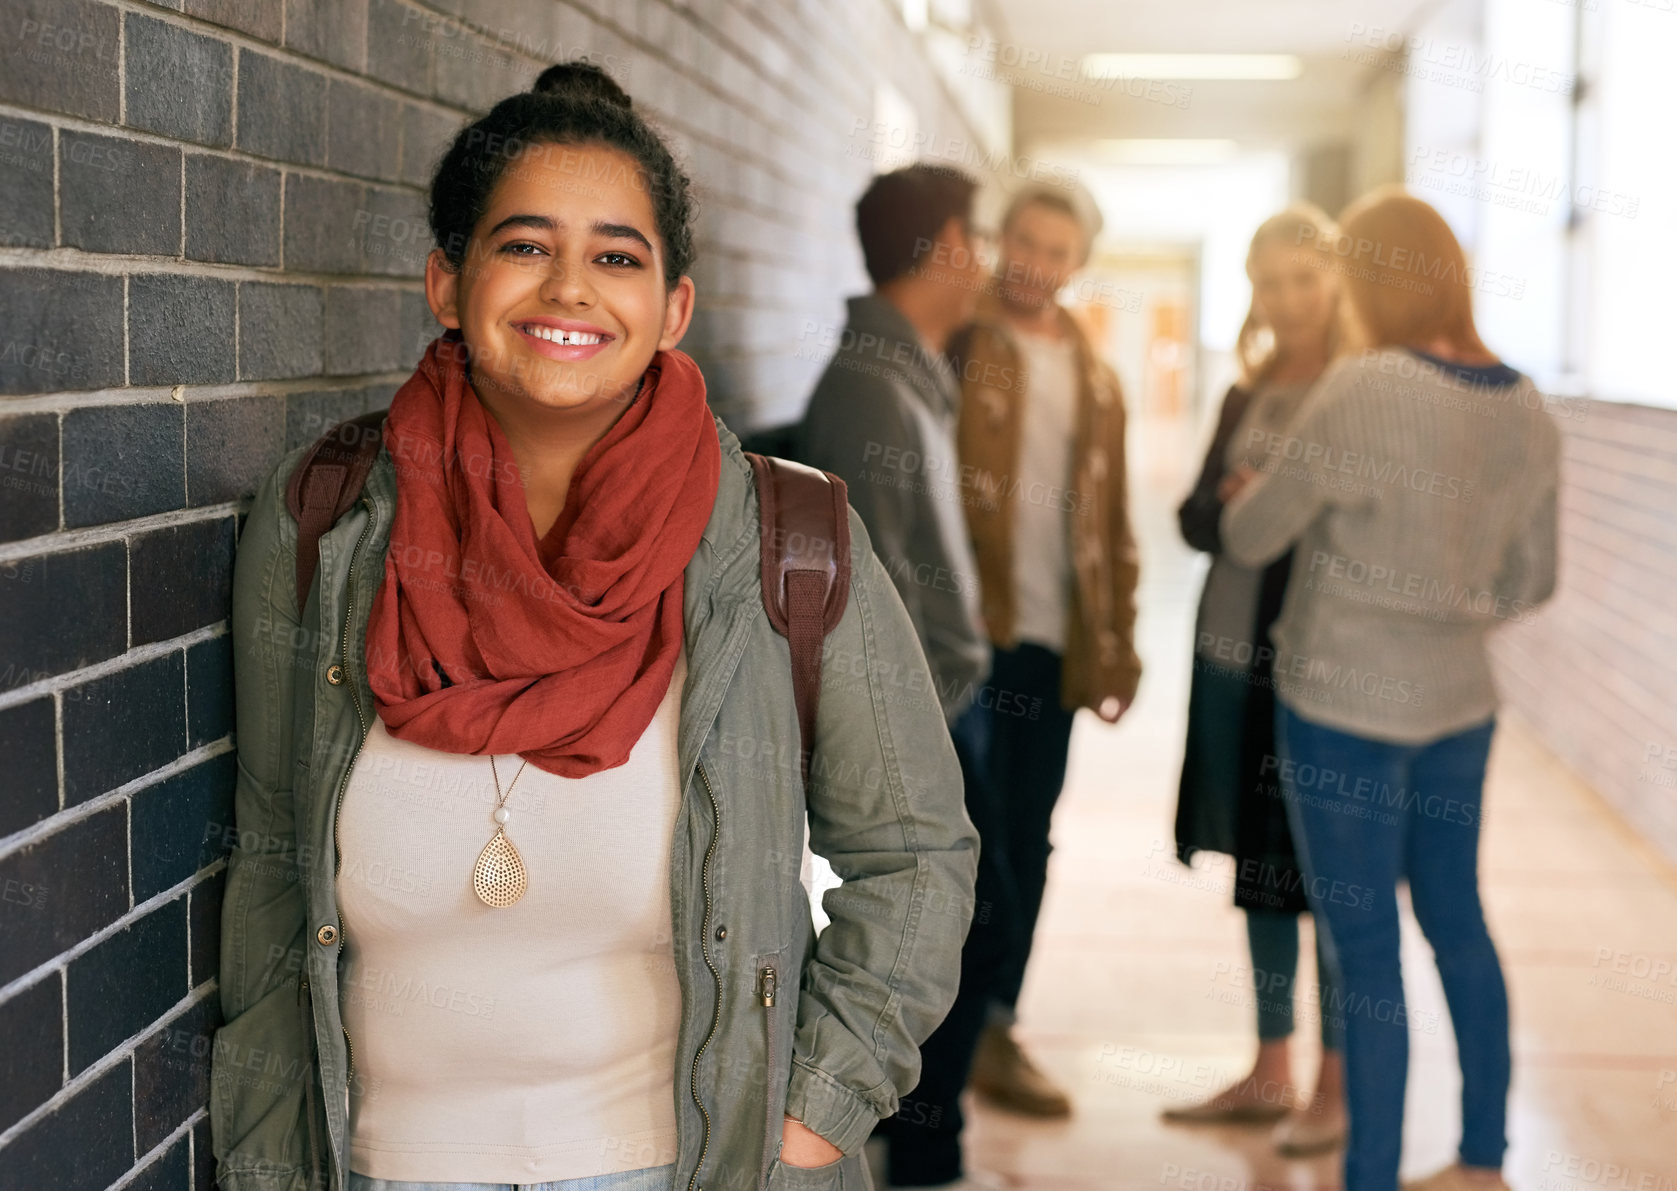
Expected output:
(618, 260)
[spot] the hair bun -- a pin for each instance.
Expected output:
(580, 79)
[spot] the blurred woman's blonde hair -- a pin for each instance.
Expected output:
(1303, 227)
(1406, 274)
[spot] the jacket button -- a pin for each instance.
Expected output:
(721, 933)
(327, 935)
(335, 674)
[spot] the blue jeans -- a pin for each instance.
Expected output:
(1030, 738)
(923, 1139)
(653, 1178)
(1365, 814)
(1273, 937)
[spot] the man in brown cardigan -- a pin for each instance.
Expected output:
(1041, 443)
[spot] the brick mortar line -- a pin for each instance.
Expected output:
(769, 165)
(36, 833)
(69, 123)
(67, 400)
(239, 39)
(129, 658)
(121, 68)
(793, 52)
(67, 259)
(98, 1069)
(57, 211)
(61, 540)
(184, 1129)
(183, 219)
(705, 80)
(64, 1012)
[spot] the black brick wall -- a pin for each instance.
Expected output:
(212, 233)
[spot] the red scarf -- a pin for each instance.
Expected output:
(484, 640)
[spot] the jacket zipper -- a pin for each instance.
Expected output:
(304, 1009)
(704, 945)
(343, 782)
(766, 978)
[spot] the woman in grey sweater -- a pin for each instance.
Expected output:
(1417, 491)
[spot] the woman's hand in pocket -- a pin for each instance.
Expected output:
(802, 1146)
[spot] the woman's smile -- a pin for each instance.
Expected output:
(563, 338)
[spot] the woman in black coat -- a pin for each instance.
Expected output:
(1230, 798)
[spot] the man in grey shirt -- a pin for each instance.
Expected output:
(883, 419)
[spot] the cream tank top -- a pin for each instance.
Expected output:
(529, 1043)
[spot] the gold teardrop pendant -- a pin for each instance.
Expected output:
(498, 877)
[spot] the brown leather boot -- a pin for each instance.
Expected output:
(1005, 1076)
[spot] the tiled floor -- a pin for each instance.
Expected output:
(1134, 1000)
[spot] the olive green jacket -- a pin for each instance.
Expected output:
(773, 1018)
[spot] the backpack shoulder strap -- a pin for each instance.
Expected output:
(806, 570)
(326, 483)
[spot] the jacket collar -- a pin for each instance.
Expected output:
(991, 316)
(885, 338)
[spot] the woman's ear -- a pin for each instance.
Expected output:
(678, 312)
(442, 289)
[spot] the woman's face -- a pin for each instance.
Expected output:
(1294, 295)
(561, 300)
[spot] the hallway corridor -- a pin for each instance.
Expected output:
(1138, 996)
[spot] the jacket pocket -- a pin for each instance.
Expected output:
(263, 1096)
(841, 1175)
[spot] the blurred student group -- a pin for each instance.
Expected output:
(1374, 414)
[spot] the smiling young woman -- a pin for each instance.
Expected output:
(1228, 801)
(520, 801)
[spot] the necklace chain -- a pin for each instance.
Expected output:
(497, 776)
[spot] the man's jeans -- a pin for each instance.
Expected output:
(924, 1137)
(1366, 814)
(1030, 737)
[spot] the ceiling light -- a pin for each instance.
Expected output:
(1193, 66)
